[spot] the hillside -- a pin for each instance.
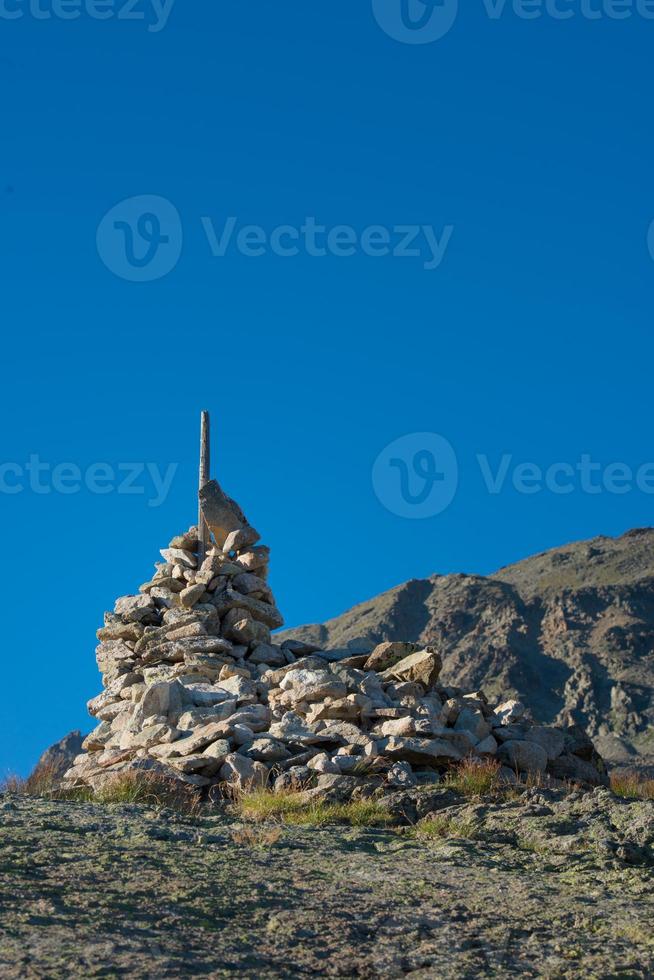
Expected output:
(570, 632)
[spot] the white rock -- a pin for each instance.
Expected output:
(322, 763)
(509, 712)
(244, 773)
(178, 556)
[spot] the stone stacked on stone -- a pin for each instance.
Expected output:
(194, 687)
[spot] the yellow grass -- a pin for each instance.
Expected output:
(474, 777)
(632, 786)
(292, 807)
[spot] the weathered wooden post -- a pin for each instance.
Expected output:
(205, 468)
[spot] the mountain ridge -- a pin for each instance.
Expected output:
(570, 631)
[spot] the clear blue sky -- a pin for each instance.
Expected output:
(530, 139)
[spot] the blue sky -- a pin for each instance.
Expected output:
(523, 146)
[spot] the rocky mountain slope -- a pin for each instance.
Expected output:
(570, 632)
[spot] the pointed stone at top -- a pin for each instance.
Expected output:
(222, 514)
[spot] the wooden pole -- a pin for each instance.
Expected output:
(205, 469)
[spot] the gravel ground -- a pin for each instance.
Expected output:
(542, 888)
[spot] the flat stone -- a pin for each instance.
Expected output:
(261, 611)
(206, 695)
(313, 685)
(200, 739)
(180, 556)
(267, 653)
(187, 541)
(242, 538)
(195, 717)
(134, 608)
(386, 655)
(239, 687)
(420, 751)
(188, 597)
(266, 750)
(421, 668)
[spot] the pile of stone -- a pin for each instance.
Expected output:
(194, 687)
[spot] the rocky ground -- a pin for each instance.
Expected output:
(540, 885)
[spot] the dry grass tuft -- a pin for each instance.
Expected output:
(45, 783)
(150, 789)
(474, 778)
(256, 837)
(632, 786)
(443, 827)
(291, 807)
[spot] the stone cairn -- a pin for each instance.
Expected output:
(195, 688)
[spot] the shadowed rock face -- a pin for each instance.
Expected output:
(59, 757)
(569, 632)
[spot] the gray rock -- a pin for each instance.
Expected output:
(550, 739)
(471, 720)
(244, 773)
(266, 750)
(134, 608)
(188, 597)
(312, 685)
(240, 539)
(267, 653)
(420, 751)
(401, 776)
(523, 756)
(294, 778)
(386, 655)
